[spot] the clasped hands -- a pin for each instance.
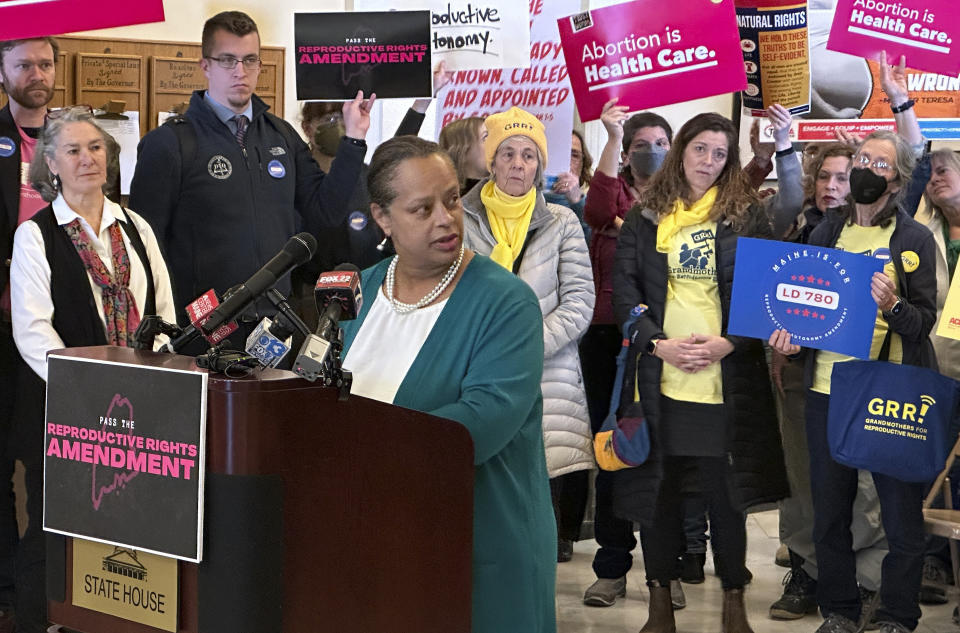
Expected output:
(693, 353)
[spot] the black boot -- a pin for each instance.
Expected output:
(799, 594)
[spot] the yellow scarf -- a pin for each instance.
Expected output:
(682, 216)
(509, 219)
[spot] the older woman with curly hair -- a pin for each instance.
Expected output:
(706, 394)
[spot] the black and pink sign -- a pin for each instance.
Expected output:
(124, 455)
(21, 19)
(386, 52)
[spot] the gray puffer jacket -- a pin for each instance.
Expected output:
(557, 267)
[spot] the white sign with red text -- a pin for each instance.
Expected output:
(543, 89)
(468, 34)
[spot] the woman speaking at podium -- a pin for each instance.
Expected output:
(84, 270)
(465, 343)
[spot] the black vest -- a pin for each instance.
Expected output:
(75, 315)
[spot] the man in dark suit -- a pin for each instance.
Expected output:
(26, 76)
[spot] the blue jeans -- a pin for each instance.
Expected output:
(834, 487)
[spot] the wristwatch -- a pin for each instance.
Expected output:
(652, 346)
(897, 307)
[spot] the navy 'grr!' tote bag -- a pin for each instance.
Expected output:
(891, 419)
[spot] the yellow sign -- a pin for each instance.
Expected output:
(950, 319)
(125, 583)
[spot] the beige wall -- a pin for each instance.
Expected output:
(185, 21)
(185, 18)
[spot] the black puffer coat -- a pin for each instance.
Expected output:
(758, 474)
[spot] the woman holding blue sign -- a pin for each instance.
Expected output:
(905, 294)
(706, 395)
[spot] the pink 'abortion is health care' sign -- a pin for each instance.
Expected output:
(652, 53)
(20, 19)
(922, 30)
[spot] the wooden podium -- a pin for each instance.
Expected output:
(319, 515)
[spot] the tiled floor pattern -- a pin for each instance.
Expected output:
(702, 614)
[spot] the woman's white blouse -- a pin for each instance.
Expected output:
(386, 346)
(31, 303)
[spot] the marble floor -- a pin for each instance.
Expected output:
(702, 614)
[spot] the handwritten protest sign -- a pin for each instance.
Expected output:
(776, 55)
(338, 54)
(923, 30)
(543, 89)
(20, 19)
(468, 34)
(652, 53)
(820, 295)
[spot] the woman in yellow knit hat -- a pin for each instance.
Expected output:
(507, 218)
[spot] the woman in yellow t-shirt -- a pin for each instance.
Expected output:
(706, 395)
(905, 292)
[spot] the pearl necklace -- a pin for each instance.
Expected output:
(403, 308)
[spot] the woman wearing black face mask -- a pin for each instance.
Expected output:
(905, 292)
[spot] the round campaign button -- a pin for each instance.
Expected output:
(910, 261)
(358, 221)
(7, 146)
(276, 169)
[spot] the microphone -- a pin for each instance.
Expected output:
(272, 339)
(312, 358)
(298, 250)
(267, 343)
(338, 298)
(199, 311)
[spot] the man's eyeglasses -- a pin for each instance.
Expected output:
(862, 160)
(229, 62)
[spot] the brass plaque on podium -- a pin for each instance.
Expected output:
(125, 583)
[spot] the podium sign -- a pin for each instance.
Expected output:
(126, 583)
(124, 455)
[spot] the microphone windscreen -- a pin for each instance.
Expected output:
(301, 247)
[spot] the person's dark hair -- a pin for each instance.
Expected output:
(311, 110)
(641, 120)
(586, 165)
(734, 195)
(234, 22)
(815, 163)
(457, 138)
(387, 158)
(8, 45)
(40, 177)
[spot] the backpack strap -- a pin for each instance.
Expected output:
(187, 138)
